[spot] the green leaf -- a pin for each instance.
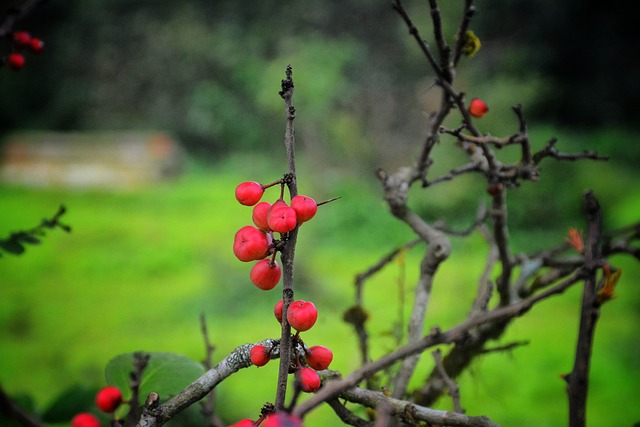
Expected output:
(166, 374)
(12, 246)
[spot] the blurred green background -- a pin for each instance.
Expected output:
(141, 265)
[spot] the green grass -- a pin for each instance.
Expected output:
(140, 266)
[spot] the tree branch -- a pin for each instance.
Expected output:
(578, 379)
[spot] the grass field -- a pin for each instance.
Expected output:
(141, 266)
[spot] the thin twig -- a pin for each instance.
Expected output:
(288, 251)
(578, 379)
(454, 391)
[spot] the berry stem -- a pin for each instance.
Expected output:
(288, 250)
(333, 199)
(265, 186)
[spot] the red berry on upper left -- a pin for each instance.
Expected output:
(85, 419)
(15, 61)
(108, 399)
(22, 38)
(249, 193)
(36, 45)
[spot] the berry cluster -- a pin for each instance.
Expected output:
(108, 399)
(257, 242)
(22, 41)
(301, 315)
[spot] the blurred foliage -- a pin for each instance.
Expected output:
(208, 71)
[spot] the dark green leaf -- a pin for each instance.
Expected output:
(11, 245)
(166, 373)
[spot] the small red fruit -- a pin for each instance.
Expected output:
(309, 380)
(265, 274)
(108, 399)
(282, 419)
(277, 310)
(249, 193)
(85, 419)
(305, 208)
(259, 215)
(478, 108)
(243, 423)
(259, 355)
(15, 61)
(282, 218)
(22, 38)
(36, 45)
(319, 357)
(302, 315)
(250, 244)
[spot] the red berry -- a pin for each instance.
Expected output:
(305, 208)
(15, 61)
(478, 108)
(302, 315)
(243, 423)
(265, 274)
(36, 45)
(319, 357)
(108, 399)
(22, 38)
(250, 244)
(259, 215)
(309, 380)
(85, 419)
(277, 310)
(282, 419)
(282, 219)
(259, 355)
(249, 193)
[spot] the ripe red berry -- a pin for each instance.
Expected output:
(85, 419)
(22, 38)
(282, 419)
(15, 61)
(277, 310)
(36, 45)
(281, 218)
(259, 355)
(249, 193)
(319, 357)
(302, 315)
(243, 423)
(305, 208)
(265, 274)
(259, 215)
(250, 244)
(108, 399)
(478, 108)
(309, 380)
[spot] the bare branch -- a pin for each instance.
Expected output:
(288, 251)
(414, 414)
(578, 379)
(333, 389)
(454, 391)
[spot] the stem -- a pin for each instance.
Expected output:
(578, 379)
(288, 250)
